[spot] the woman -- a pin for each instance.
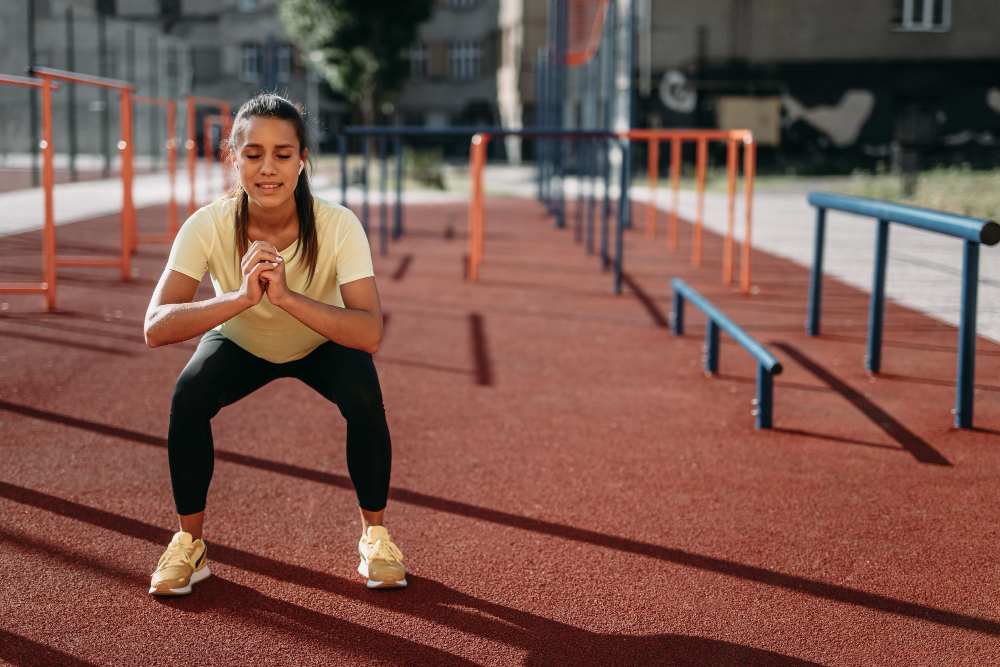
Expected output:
(295, 296)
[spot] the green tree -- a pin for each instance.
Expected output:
(359, 46)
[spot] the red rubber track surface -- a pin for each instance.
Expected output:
(567, 486)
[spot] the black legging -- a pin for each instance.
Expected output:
(221, 372)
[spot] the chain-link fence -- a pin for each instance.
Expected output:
(86, 119)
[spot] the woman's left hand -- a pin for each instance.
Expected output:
(276, 289)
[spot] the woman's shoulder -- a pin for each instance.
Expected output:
(331, 217)
(220, 212)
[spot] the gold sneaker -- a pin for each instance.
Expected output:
(182, 564)
(381, 560)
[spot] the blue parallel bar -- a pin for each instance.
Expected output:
(876, 308)
(967, 337)
(767, 365)
(591, 148)
(982, 231)
(397, 229)
(974, 231)
(342, 146)
(383, 216)
(606, 209)
(816, 275)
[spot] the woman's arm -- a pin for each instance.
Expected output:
(172, 317)
(358, 324)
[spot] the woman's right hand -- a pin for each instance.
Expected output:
(260, 257)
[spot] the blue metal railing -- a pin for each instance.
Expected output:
(400, 131)
(974, 231)
(767, 365)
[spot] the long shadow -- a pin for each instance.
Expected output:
(911, 442)
(545, 641)
(58, 326)
(18, 650)
(810, 587)
(65, 343)
(647, 302)
(402, 268)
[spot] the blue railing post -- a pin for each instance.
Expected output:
(364, 182)
(816, 276)
(397, 230)
(765, 397)
(383, 213)
(967, 337)
(591, 146)
(342, 147)
(711, 346)
(876, 309)
(620, 228)
(606, 210)
(578, 213)
(677, 316)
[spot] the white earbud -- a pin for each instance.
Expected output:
(302, 165)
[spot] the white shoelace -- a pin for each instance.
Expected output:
(385, 550)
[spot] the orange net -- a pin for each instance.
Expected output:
(585, 25)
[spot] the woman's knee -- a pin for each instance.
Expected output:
(192, 396)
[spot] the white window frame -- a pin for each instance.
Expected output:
(250, 63)
(418, 61)
(926, 24)
(284, 63)
(465, 59)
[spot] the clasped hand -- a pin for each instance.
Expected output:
(263, 272)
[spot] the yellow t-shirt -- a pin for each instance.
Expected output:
(206, 243)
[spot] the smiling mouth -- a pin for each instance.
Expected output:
(269, 187)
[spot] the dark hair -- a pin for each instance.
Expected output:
(269, 105)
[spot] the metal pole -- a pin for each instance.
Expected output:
(816, 275)
(559, 97)
(538, 118)
(49, 230)
(765, 397)
(711, 346)
(71, 96)
(364, 182)
(102, 51)
(609, 99)
(590, 147)
(876, 310)
(154, 110)
(33, 97)
(677, 319)
(342, 148)
(383, 221)
(398, 148)
(967, 337)
(626, 173)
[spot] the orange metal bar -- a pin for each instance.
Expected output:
(472, 272)
(24, 81)
(190, 145)
(128, 205)
(87, 261)
(675, 184)
(482, 199)
(701, 165)
(653, 169)
(49, 182)
(75, 77)
(732, 153)
(172, 166)
(749, 169)
(206, 129)
(685, 134)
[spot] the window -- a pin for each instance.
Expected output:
(418, 61)
(249, 63)
(284, 63)
(246, 5)
(921, 15)
(464, 59)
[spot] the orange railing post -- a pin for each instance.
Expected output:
(701, 166)
(207, 150)
(675, 183)
(171, 145)
(191, 144)
(128, 220)
(749, 169)
(49, 180)
(732, 150)
(653, 169)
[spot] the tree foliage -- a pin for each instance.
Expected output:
(358, 46)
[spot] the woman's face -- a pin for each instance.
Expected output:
(268, 160)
